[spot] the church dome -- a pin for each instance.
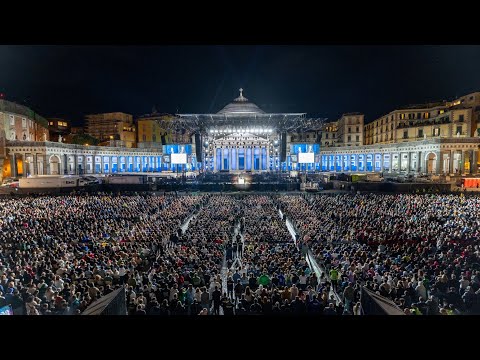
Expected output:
(241, 105)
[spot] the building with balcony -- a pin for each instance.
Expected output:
(328, 134)
(459, 117)
(58, 127)
(350, 130)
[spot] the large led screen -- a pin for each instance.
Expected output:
(306, 158)
(178, 158)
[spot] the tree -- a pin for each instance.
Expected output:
(82, 139)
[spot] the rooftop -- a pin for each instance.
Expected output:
(423, 106)
(241, 105)
(352, 113)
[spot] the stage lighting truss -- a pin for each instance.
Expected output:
(262, 124)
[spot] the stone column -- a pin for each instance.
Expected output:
(63, 167)
(28, 164)
(46, 165)
(229, 156)
(238, 158)
(214, 159)
(35, 165)
(75, 164)
(253, 158)
(450, 163)
(221, 159)
(470, 159)
(13, 166)
(438, 162)
(421, 162)
(462, 163)
(409, 162)
(2, 162)
(474, 161)
(41, 164)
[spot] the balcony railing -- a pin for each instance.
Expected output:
(424, 123)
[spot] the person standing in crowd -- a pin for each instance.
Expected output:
(348, 295)
(334, 278)
(216, 299)
(230, 286)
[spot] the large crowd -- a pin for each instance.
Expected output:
(233, 254)
(60, 254)
(262, 220)
(420, 251)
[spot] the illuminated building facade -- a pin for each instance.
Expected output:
(441, 138)
(112, 126)
(18, 123)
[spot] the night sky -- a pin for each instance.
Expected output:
(324, 81)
